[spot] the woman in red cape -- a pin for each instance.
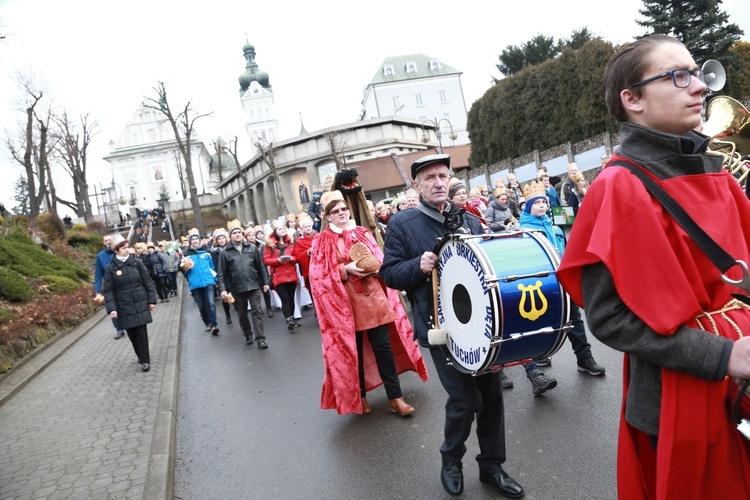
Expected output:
(341, 385)
(649, 290)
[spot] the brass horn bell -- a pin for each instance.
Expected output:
(728, 120)
(728, 125)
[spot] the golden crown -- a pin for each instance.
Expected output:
(234, 224)
(533, 190)
(330, 196)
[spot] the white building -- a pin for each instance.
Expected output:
(256, 97)
(306, 164)
(146, 163)
(420, 87)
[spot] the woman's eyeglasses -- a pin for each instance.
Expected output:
(338, 211)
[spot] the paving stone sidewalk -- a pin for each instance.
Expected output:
(81, 420)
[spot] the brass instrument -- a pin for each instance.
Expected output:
(728, 125)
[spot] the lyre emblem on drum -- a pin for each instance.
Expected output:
(533, 313)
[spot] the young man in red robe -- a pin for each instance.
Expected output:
(650, 292)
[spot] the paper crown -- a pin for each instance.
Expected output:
(577, 177)
(291, 217)
(330, 196)
(534, 189)
(499, 190)
(117, 239)
(234, 224)
(193, 232)
(220, 232)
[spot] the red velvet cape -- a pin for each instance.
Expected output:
(666, 280)
(341, 390)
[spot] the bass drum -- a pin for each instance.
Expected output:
(499, 301)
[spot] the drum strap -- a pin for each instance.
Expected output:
(433, 214)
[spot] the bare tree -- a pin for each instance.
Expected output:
(180, 173)
(219, 146)
(268, 155)
(182, 122)
(231, 149)
(31, 150)
(336, 143)
(72, 146)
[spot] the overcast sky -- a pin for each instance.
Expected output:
(102, 57)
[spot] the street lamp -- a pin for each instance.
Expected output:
(436, 125)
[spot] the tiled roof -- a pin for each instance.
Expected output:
(422, 64)
(383, 173)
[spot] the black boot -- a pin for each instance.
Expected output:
(290, 325)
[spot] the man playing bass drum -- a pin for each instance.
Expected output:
(407, 264)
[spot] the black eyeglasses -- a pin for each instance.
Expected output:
(680, 77)
(338, 211)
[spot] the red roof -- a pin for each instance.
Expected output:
(393, 172)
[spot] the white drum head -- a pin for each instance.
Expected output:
(467, 310)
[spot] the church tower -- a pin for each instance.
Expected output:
(256, 96)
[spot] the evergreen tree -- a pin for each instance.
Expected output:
(543, 105)
(699, 24)
(537, 50)
(21, 197)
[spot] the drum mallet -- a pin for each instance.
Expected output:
(436, 335)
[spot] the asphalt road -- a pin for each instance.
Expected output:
(250, 426)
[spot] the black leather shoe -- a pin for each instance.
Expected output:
(270, 314)
(262, 344)
(452, 478)
(248, 340)
(229, 320)
(503, 483)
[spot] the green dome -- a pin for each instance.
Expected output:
(252, 73)
(227, 162)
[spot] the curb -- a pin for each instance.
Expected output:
(161, 465)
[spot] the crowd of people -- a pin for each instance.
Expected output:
(677, 321)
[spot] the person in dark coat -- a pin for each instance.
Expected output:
(409, 260)
(130, 296)
(244, 277)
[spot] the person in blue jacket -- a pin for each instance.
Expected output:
(201, 276)
(102, 260)
(534, 216)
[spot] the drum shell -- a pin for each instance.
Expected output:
(527, 297)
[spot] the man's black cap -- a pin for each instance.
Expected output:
(429, 160)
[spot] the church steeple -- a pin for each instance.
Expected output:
(252, 73)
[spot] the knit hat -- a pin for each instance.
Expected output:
(532, 192)
(455, 188)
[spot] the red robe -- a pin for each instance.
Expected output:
(666, 280)
(301, 246)
(341, 390)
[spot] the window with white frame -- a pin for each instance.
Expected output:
(411, 67)
(388, 70)
(396, 102)
(443, 96)
(418, 99)
(434, 64)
